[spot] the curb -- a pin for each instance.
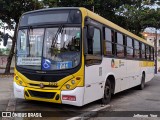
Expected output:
(90, 114)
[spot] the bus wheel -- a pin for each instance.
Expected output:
(107, 93)
(141, 86)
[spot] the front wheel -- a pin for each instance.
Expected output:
(107, 93)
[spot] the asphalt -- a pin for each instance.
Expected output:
(130, 100)
(133, 102)
(6, 92)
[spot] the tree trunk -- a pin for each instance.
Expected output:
(9, 59)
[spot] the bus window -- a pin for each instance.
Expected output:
(96, 42)
(120, 45)
(152, 54)
(136, 49)
(143, 51)
(94, 49)
(36, 42)
(147, 52)
(119, 38)
(22, 48)
(108, 34)
(109, 42)
(129, 48)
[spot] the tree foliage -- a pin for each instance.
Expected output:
(133, 15)
(10, 12)
(140, 16)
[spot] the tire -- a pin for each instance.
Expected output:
(107, 93)
(141, 86)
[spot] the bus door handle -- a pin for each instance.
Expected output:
(88, 86)
(100, 83)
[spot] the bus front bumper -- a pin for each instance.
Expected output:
(71, 97)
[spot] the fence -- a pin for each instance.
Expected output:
(3, 61)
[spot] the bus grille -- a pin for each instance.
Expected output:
(47, 95)
(37, 85)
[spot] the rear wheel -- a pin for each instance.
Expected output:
(141, 86)
(107, 93)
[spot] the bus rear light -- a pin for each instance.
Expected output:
(69, 97)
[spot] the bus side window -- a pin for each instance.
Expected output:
(136, 49)
(97, 42)
(120, 45)
(147, 52)
(143, 51)
(109, 42)
(152, 53)
(129, 48)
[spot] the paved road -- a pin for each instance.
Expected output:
(129, 100)
(135, 100)
(5, 91)
(3, 70)
(8, 103)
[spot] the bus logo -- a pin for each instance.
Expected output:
(112, 63)
(41, 85)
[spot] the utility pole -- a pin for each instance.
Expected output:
(155, 47)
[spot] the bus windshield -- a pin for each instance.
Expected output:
(53, 48)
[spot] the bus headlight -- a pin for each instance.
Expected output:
(67, 86)
(16, 77)
(71, 84)
(19, 81)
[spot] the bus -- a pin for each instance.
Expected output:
(73, 56)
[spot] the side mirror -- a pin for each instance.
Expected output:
(90, 32)
(5, 39)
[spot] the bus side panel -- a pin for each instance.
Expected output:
(118, 67)
(93, 83)
(133, 73)
(148, 68)
(96, 76)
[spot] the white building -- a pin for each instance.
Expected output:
(9, 43)
(151, 37)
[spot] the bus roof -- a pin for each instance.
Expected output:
(55, 8)
(114, 26)
(99, 19)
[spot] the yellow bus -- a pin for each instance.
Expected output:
(74, 56)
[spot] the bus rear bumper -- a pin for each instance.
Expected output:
(66, 97)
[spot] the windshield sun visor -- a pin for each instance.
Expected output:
(51, 17)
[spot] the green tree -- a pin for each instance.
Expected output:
(139, 16)
(10, 12)
(129, 14)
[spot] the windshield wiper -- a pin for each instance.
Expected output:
(60, 29)
(54, 40)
